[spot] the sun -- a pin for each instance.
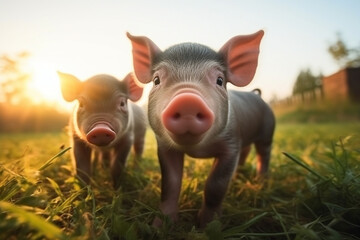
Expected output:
(44, 86)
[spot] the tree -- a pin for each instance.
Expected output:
(306, 82)
(13, 78)
(343, 55)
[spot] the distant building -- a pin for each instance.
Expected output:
(343, 85)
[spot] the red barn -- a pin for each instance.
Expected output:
(343, 85)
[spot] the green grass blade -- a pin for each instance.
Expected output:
(302, 164)
(213, 230)
(147, 207)
(56, 188)
(240, 229)
(49, 162)
(281, 222)
(45, 228)
(9, 189)
(66, 204)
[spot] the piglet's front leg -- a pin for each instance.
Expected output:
(216, 187)
(118, 161)
(82, 154)
(171, 164)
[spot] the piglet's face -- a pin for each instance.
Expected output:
(188, 102)
(101, 115)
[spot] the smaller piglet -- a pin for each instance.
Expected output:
(104, 121)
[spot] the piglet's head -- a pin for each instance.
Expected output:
(102, 113)
(188, 102)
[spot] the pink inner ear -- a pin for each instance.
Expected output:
(135, 91)
(143, 50)
(241, 54)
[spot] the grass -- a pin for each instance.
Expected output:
(318, 112)
(313, 191)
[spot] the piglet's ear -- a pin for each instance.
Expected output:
(143, 50)
(70, 86)
(241, 54)
(134, 90)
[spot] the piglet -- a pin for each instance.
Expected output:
(192, 112)
(104, 121)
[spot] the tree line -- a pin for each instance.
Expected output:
(345, 57)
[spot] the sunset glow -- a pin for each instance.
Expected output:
(44, 84)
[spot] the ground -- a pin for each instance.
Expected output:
(313, 191)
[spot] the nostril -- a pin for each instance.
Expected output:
(177, 116)
(200, 116)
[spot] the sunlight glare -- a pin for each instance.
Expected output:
(44, 86)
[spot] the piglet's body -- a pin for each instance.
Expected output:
(192, 112)
(104, 121)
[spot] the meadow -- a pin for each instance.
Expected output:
(313, 191)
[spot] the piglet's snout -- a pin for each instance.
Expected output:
(100, 134)
(187, 113)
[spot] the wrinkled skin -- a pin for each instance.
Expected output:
(192, 112)
(104, 121)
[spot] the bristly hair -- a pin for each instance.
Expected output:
(188, 53)
(96, 88)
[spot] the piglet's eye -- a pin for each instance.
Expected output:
(122, 105)
(123, 102)
(219, 81)
(156, 80)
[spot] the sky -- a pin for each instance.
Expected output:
(87, 37)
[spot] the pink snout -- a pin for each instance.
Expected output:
(100, 135)
(187, 114)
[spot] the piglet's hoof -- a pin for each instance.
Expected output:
(157, 223)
